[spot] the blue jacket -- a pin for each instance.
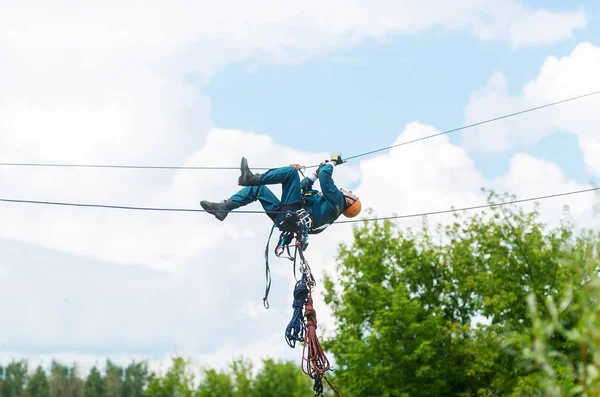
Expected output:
(325, 206)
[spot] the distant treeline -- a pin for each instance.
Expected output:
(283, 379)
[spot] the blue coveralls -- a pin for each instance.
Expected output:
(325, 206)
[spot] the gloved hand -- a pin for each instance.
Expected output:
(337, 159)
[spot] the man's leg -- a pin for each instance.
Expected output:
(249, 194)
(286, 176)
(245, 196)
(290, 183)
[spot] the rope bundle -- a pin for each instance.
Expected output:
(314, 361)
(296, 329)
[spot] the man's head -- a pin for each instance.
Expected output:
(352, 205)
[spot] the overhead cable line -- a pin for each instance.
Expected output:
(475, 124)
(15, 164)
(264, 212)
(142, 167)
(124, 207)
(474, 207)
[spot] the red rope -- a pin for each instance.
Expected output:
(314, 361)
(332, 388)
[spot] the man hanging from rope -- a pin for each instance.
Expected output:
(324, 207)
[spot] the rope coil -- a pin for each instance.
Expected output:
(296, 329)
(314, 361)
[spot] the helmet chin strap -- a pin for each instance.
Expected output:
(351, 198)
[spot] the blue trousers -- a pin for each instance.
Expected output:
(290, 185)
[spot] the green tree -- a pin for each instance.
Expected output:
(178, 381)
(562, 346)
(113, 380)
(65, 381)
(136, 375)
(15, 379)
(281, 379)
(58, 380)
(405, 302)
(216, 384)
(38, 385)
(75, 383)
(94, 384)
(242, 375)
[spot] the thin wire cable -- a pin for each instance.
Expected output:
(122, 207)
(472, 207)
(475, 124)
(339, 222)
(157, 167)
(15, 164)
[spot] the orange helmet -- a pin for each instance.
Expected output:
(352, 206)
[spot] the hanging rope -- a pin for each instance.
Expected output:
(314, 361)
(296, 329)
(267, 272)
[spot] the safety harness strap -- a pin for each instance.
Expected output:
(267, 271)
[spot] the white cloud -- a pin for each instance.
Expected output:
(438, 175)
(231, 30)
(559, 78)
(543, 27)
(524, 26)
(427, 177)
(533, 177)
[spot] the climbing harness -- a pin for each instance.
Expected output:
(302, 222)
(294, 225)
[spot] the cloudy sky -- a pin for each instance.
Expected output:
(204, 83)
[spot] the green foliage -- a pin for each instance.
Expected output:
(94, 384)
(216, 384)
(15, 379)
(563, 344)
(113, 380)
(405, 303)
(177, 382)
(279, 379)
(38, 385)
(65, 381)
(242, 375)
(136, 375)
(282, 379)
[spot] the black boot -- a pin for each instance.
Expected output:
(247, 178)
(219, 210)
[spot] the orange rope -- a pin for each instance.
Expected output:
(314, 361)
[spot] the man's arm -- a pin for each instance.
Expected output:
(330, 191)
